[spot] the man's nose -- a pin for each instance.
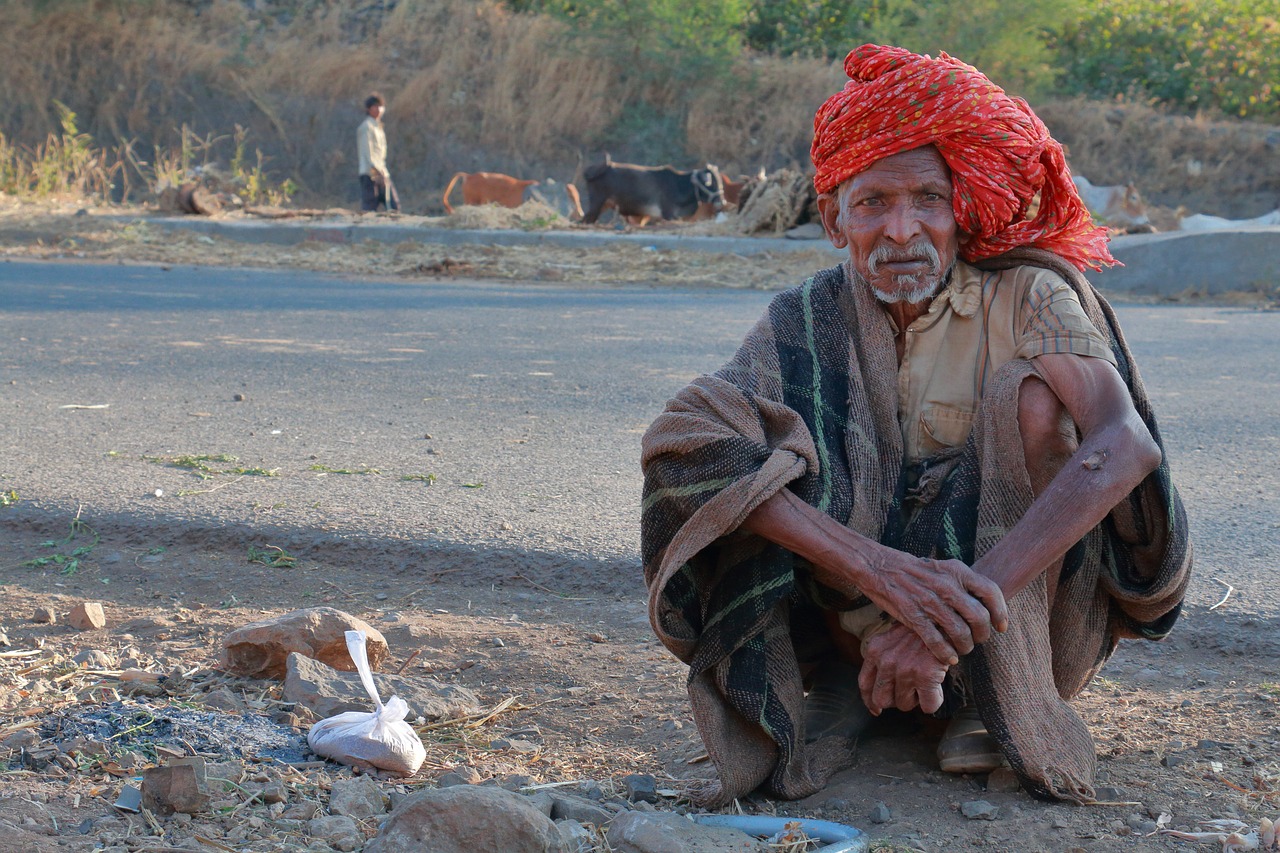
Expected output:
(902, 224)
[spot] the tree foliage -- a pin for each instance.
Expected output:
(1185, 54)
(1188, 54)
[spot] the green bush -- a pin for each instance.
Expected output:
(1187, 54)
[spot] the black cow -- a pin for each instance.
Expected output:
(644, 192)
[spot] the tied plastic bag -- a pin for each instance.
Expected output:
(380, 739)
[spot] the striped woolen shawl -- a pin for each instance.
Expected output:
(809, 403)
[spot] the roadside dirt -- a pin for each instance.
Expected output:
(1187, 730)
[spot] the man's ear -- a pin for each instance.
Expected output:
(829, 210)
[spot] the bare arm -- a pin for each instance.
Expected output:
(1116, 453)
(948, 605)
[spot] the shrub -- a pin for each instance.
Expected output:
(1189, 54)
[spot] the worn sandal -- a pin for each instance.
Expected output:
(966, 747)
(833, 706)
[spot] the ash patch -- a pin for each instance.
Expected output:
(140, 727)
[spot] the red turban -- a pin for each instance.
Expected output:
(999, 152)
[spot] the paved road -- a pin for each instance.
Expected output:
(525, 402)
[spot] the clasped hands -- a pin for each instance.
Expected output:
(942, 609)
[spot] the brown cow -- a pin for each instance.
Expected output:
(488, 188)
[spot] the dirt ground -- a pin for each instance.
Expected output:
(1187, 730)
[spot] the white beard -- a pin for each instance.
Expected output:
(913, 289)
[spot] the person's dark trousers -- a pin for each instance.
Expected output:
(372, 195)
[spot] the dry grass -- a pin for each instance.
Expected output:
(1222, 167)
(472, 86)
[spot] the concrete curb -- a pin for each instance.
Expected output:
(1165, 264)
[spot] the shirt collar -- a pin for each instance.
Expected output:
(964, 291)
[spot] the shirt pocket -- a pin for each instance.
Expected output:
(943, 427)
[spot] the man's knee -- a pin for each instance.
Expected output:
(1048, 433)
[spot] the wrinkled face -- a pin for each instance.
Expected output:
(895, 218)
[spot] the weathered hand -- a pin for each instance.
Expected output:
(950, 607)
(899, 672)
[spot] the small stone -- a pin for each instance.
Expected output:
(1002, 780)
(497, 642)
(463, 774)
(979, 810)
(94, 659)
(87, 616)
(239, 398)
(1110, 794)
(339, 831)
(641, 787)
(44, 616)
(357, 798)
(303, 811)
(880, 814)
(1172, 760)
(175, 788)
(503, 744)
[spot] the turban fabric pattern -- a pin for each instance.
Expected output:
(999, 152)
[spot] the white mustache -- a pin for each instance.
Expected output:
(889, 255)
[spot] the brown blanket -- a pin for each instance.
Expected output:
(809, 403)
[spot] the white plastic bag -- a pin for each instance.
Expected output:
(381, 739)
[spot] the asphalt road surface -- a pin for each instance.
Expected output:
(482, 416)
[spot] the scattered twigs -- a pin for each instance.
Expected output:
(212, 843)
(472, 721)
(408, 661)
(1230, 589)
(1265, 795)
(549, 589)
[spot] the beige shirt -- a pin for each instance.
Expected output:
(371, 145)
(979, 322)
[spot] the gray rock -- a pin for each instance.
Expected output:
(327, 692)
(503, 744)
(880, 814)
(663, 832)
(580, 809)
(979, 810)
(576, 837)
(1110, 794)
(542, 801)
(44, 616)
(339, 831)
(453, 777)
(260, 649)
(94, 659)
(357, 798)
(467, 819)
(302, 811)
(641, 788)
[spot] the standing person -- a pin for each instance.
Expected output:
(931, 477)
(371, 144)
